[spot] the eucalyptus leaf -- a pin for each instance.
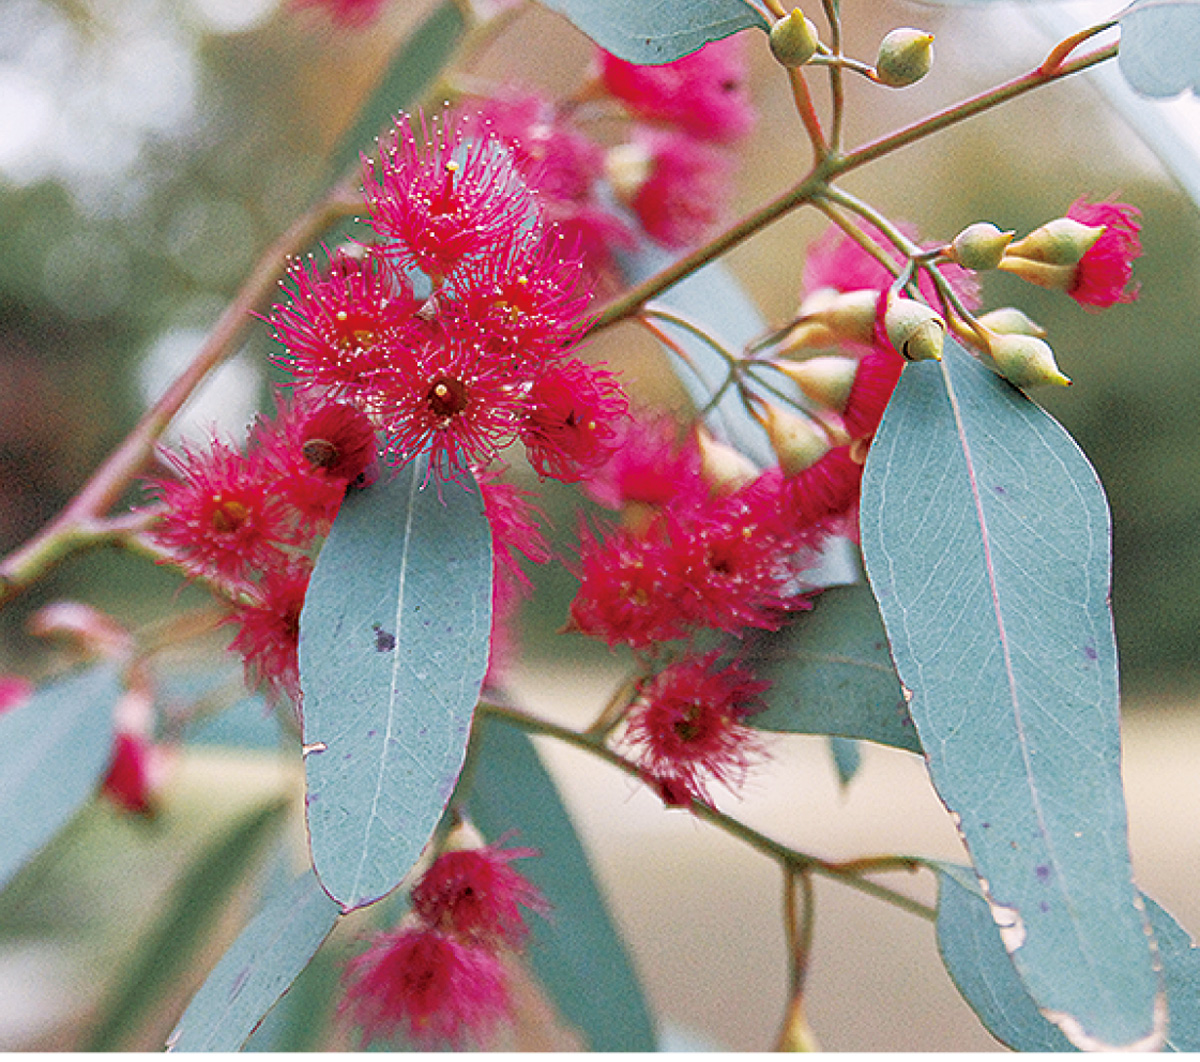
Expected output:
(409, 75)
(54, 751)
(658, 32)
(393, 647)
(974, 954)
(576, 950)
(192, 910)
(831, 673)
(1160, 47)
(847, 758)
(986, 538)
(258, 968)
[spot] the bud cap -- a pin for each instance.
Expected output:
(794, 39)
(826, 379)
(905, 56)
(980, 246)
(1025, 361)
(914, 329)
(1061, 242)
(796, 440)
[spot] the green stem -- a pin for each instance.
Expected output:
(837, 90)
(848, 873)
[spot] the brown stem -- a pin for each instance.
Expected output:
(82, 522)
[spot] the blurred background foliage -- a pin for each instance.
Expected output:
(151, 149)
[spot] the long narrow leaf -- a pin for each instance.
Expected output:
(393, 649)
(258, 968)
(54, 749)
(985, 535)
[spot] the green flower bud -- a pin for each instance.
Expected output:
(1043, 274)
(796, 440)
(914, 329)
(829, 317)
(1062, 242)
(979, 246)
(724, 468)
(1011, 321)
(826, 379)
(794, 39)
(905, 57)
(1025, 361)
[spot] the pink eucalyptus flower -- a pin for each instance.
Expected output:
(688, 190)
(1103, 276)
(705, 93)
(428, 985)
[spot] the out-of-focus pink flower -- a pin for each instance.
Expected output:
(475, 894)
(15, 690)
(348, 12)
(433, 987)
(824, 494)
(687, 728)
(1103, 276)
(269, 629)
(705, 93)
(650, 465)
(688, 189)
(835, 261)
(572, 418)
(128, 783)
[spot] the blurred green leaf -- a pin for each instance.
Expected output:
(985, 535)
(831, 673)
(1160, 47)
(394, 642)
(847, 758)
(54, 751)
(576, 950)
(411, 73)
(192, 911)
(659, 32)
(259, 967)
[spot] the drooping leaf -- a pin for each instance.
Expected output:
(411, 72)
(195, 904)
(304, 1017)
(986, 539)
(258, 968)
(576, 950)
(658, 32)
(974, 954)
(1160, 47)
(847, 758)
(54, 750)
(393, 649)
(831, 673)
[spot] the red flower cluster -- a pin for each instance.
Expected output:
(687, 729)
(439, 979)
(245, 522)
(489, 356)
(692, 558)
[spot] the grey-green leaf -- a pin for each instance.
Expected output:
(54, 750)
(971, 948)
(1160, 47)
(986, 539)
(393, 648)
(831, 673)
(576, 950)
(661, 31)
(195, 903)
(411, 72)
(258, 968)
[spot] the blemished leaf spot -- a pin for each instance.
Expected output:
(1160, 47)
(1019, 727)
(396, 719)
